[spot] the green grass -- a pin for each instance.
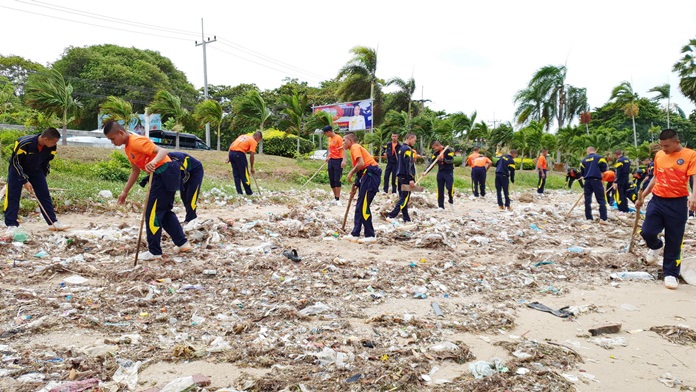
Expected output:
(75, 170)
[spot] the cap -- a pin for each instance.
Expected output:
(327, 128)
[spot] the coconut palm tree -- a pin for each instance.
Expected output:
(210, 112)
(358, 79)
(502, 135)
(295, 108)
(401, 99)
(625, 97)
(686, 68)
(118, 109)
(575, 105)
(252, 108)
(48, 92)
(663, 92)
(169, 105)
(461, 123)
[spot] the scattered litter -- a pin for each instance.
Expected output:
(562, 312)
(481, 369)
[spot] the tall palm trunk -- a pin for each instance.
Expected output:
(635, 139)
(65, 127)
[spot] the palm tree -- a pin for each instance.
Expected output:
(210, 112)
(49, 93)
(295, 108)
(576, 104)
(461, 123)
(551, 85)
(118, 109)
(532, 106)
(401, 99)
(358, 79)
(663, 92)
(625, 97)
(168, 105)
(686, 68)
(252, 108)
(502, 135)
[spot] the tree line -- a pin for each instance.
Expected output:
(120, 82)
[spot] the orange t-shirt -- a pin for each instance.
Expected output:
(336, 147)
(141, 150)
(672, 173)
(470, 159)
(244, 143)
(609, 176)
(357, 151)
(541, 163)
(482, 161)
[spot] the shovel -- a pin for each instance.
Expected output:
(635, 225)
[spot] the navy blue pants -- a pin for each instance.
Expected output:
(445, 181)
(190, 188)
(478, 177)
(502, 186)
(159, 215)
(670, 215)
(13, 193)
(335, 172)
(609, 193)
(390, 174)
(542, 181)
(368, 188)
(402, 204)
(621, 198)
(570, 182)
(594, 186)
(240, 172)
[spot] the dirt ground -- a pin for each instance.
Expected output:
(348, 316)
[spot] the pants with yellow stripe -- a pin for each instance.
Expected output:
(669, 214)
(402, 204)
(13, 194)
(367, 189)
(159, 215)
(445, 181)
(240, 172)
(190, 188)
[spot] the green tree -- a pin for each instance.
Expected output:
(118, 109)
(210, 112)
(624, 96)
(358, 80)
(135, 75)
(663, 92)
(686, 68)
(400, 100)
(17, 69)
(169, 107)
(502, 135)
(48, 92)
(295, 107)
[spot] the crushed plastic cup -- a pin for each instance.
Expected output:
(575, 249)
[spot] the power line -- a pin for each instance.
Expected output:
(93, 24)
(258, 63)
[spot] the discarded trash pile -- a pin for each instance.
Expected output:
(332, 315)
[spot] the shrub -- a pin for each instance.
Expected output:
(528, 163)
(8, 137)
(115, 169)
(280, 143)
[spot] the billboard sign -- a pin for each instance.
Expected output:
(350, 116)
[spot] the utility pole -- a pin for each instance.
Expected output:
(205, 75)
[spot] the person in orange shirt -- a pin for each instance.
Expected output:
(472, 156)
(542, 167)
(336, 161)
(608, 178)
(368, 177)
(668, 209)
(237, 158)
(143, 154)
(478, 174)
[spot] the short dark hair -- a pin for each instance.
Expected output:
(350, 136)
(327, 128)
(437, 143)
(618, 152)
(112, 126)
(513, 151)
(410, 135)
(667, 134)
(259, 134)
(51, 133)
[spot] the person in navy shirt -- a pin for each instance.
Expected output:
(504, 175)
(591, 169)
(390, 150)
(623, 172)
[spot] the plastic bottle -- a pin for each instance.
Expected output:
(632, 275)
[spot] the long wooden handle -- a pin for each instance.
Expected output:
(313, 175)
(635, 225)
(576, 203)
(350, 201)
(142, 220)
(432, 165)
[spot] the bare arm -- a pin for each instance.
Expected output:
(358, 166)
(132, 178)
(151, 166)
(251, 162)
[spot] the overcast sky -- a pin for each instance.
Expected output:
(464, 56)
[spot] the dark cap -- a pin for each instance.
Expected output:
(327, 128)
